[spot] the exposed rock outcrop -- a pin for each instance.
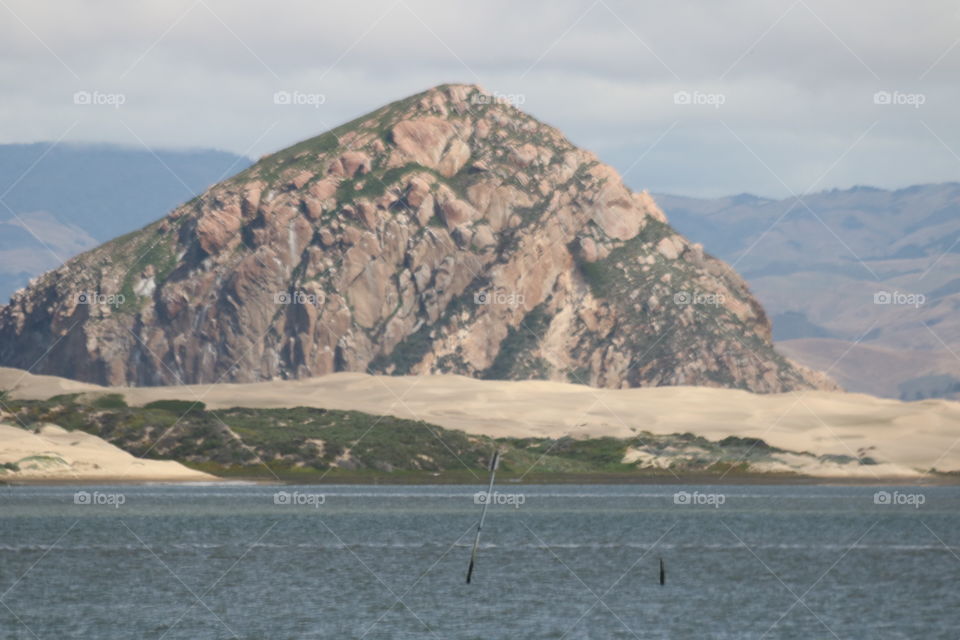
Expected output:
(447, 232)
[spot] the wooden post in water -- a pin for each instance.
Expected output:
(494, 461)
(663, 573)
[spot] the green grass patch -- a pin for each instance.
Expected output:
(110, 401)
(178, 407)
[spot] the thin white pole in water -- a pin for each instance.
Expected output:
(476, 542)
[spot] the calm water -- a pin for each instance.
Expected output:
(389, 562)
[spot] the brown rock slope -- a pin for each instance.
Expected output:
(444, 233)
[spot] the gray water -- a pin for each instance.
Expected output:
(389, 562)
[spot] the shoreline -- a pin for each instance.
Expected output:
(465, 478)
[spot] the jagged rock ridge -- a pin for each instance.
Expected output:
(446, 232)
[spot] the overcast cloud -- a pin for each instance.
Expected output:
(797, 79)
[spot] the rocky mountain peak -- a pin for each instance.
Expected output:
(445, 232)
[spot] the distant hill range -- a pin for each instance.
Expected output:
(848, 265)
(68, 198)
(807, 272)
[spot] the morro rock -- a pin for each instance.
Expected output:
(446, 232)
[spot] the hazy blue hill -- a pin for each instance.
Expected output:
(816, 271)
(876, 225)
(92, 193)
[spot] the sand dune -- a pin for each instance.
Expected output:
(52, 453)
(905, 437)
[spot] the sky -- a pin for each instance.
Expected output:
(704, 98)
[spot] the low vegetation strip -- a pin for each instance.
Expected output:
(305, 442)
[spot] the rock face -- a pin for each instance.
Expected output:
(447, 232)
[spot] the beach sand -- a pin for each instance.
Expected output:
(53, 453)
